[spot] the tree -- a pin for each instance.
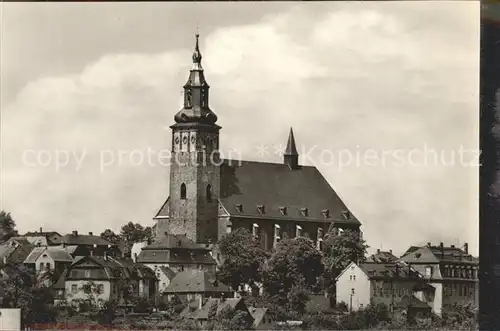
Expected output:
(293, 270)
(243, 259)
(110, 236)
(7, 226)
(229, 319)
(133, 233)
(339, 250)
(22, 290)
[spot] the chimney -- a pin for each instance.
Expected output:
(91, 234)
(466, 248)
(378, 250)
(41, 230)
(452, 246)
(428, 244)
(75, 233)
(441, 247)
(390, 251)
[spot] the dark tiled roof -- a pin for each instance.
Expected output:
(175, 249)
(382, 257)
(195, 281)
(389, 270)
(15, 250)
(168, 272)
(174, 241)
(275, 185)
(52, 237)
(83, 239)
(434, 254)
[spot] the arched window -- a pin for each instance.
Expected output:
(209, 193)
(183, 191)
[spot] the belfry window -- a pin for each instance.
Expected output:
(183, 191)
(209, 193)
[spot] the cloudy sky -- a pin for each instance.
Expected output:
(383, 99)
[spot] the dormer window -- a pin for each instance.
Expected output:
(255, 230)
(283, 211)
(183, 191)
(304, 211)
(239, 207)
(261, 209)
(298, 231)
(326, 213)
(346, 214)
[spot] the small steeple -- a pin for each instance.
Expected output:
(291, 157)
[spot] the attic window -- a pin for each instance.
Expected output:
(261, 209)
(304, 211)
(239, 207)
(326, 213)
(44, 255)
(283, 211)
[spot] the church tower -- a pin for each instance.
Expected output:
(195, 162)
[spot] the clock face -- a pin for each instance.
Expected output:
(177, 140)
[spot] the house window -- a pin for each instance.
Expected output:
(183, 191)
(87, 273)
(41, 265)
(47, 265)
(277, 234)
(352, 291)
(255, 230)
(298, 231)
(100, 289)
(428, 271)
(354, 277)
(74, 288)
(209, 193)
(283, 211)
(350, 277)
(228, 228)
(181, 267)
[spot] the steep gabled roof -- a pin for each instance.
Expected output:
(382, 257)
(58, 254)
(164, 210)
(304, 192)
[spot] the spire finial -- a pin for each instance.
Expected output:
(197, 54)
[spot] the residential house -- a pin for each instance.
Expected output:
(193, 284)
(199, 310)
(397, 285)
(15, 250)
(382, 257)
(43, 238)
(114, 278)
(49, 259)
(175, 253)
(210, 197)
(88, 244)
(452, 271)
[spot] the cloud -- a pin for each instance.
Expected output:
(349, 78)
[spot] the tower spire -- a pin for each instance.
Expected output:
(197, 54)
(291, 156)
(196, 108)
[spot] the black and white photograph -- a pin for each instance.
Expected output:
(241, 165)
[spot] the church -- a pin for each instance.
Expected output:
(210, 196)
